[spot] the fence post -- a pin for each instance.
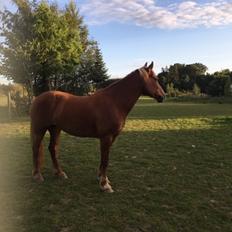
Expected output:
(9, 104)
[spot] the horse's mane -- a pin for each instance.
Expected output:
(142, 72)
(133, 73)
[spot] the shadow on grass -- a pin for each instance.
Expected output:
(164, 181)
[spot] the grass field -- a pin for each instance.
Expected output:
(171, 170)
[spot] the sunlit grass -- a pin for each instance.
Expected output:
(170, 169)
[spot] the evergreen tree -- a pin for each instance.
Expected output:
(90, 73)
(99, 73)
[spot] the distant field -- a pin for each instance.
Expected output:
(171, 170)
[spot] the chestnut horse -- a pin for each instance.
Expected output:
(101, 115)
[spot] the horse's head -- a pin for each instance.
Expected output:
(151, 87)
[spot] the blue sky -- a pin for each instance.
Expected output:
(166, 31)
(131, 32)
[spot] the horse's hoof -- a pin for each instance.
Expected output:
(38, 177)
(62, 175)
(109, 190)
(106, 188)
(105, 185)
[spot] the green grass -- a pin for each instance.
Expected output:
(171, 170)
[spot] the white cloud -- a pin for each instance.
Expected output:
(146, 13)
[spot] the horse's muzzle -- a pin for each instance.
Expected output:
(160, 99)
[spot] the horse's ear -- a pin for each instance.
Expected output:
(151, 65)
(145, 65)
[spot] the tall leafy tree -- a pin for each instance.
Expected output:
(75, 20)
(218, 82)
(182, 76)
(44, 46)
(16, 28)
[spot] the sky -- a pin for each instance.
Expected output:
(132, 32)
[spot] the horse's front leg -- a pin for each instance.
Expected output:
(104, 182)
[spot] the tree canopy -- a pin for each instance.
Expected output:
(44, 48)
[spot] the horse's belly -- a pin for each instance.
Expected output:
(85, 122)
(81, 129)
(80, 132)
(91, 130)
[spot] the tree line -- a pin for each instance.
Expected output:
(194, 78)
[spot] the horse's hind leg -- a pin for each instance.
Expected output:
(53, 148)
(37, 148)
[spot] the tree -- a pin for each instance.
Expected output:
(16, 28)
(56, 46)
(195, 69)
(90, 73)
(75, 20)
(174, 74)
(100, 69)
(182, 76)
(44, 46)
(163, 78)
(216, 85)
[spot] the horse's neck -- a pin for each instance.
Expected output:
(126, 92)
